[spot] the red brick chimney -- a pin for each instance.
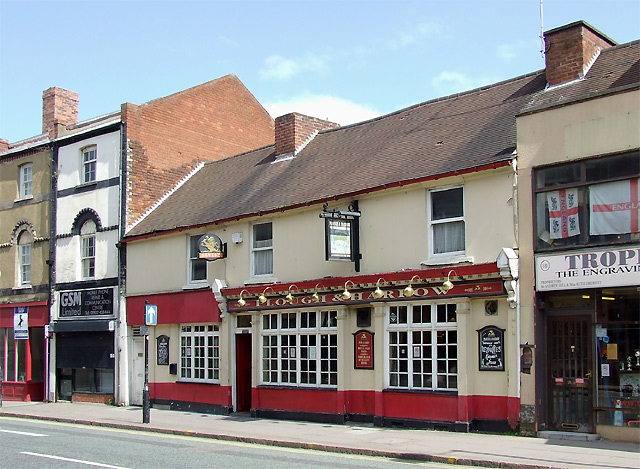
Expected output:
(570, 50)
(59, 106)
(294, 131)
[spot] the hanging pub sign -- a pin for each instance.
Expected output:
(21, 323)
(491, 348)
(363, 350)
(342, 234)
(163, 349)
(211, 247)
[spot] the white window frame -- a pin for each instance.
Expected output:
(88, 246)
(296, 350)
(89, 158)
(200, 353)
(440, 338)
(257, 250)
(24, 260)
(193, 259)
(433, 223)
(26, 181)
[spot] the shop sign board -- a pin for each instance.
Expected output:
(211, 247)
(163, 350)
(21, 323)
(592, 268)
(80, 303)
(363, 350)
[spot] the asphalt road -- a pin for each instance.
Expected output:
(38, 444)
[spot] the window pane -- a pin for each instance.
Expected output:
(262, 235)
(446, 204)
(448, 237)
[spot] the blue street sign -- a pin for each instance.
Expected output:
(150, 315)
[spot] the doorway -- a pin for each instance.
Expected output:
(569, 373)
(137, 371)
(243, 372)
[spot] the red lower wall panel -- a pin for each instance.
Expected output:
(304, 400)
(415, 406)
(191, 392)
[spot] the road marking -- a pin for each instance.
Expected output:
(22, 433)
(79, 461)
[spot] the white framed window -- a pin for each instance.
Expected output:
(262, 249)
(25, 241)
(300, 348)
(446, 222)
(422, 347)
(197, 266)
(88, 249)
(89, 161)
(200, 353)
(26, 180)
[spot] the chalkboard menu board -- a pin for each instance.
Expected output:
(163, 350)
(491, 348)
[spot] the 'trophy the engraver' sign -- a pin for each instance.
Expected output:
(593, 268)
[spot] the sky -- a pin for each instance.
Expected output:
(345, 61)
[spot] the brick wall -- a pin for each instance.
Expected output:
(169, 136)
(59, 106)
(294, 130)
(570, 50)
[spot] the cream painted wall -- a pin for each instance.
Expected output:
(593, 128)
(393, 236)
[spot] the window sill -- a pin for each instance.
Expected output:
(441, 392)
(448, 260)
(22, 287)
(259, 280)
(328, 387)
(195, 286)
(211, 383)
(23, 199)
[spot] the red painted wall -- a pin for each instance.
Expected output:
(305, 400)
(175, 308)
(191, 392)
(360, 402)
(38, 314)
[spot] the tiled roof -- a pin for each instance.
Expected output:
(616, 69)
(456, 133)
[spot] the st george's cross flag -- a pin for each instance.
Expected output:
(563, 213)
(614, 207)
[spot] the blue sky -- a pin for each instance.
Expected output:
(346, 60)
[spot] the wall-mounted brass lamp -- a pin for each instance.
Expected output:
(408, 290)
(289, 297)
(378, 292)
(346, 294)
(315, 297)
(242, 301)
(448, 285)
(262, 298)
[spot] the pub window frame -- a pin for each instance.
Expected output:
(200, 353)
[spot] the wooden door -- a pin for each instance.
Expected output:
(570, 374)
(243, 372)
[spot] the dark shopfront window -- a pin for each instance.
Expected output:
(13, 354)
(617, 336)
(573, 202)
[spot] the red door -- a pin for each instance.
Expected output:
(243, 372)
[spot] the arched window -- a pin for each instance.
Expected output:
(88, 249)
(25, 240)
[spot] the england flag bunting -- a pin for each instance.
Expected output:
(614, 207)
(563, 213)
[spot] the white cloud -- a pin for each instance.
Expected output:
(414, 34)
(280, 68)
(326, 107)
(513, 50)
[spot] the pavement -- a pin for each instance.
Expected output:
(470, 449)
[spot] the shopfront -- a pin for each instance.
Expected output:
(428, 348)
(590, 302)
(23, 350)
(84, 337)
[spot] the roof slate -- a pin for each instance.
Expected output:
(455, 133)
